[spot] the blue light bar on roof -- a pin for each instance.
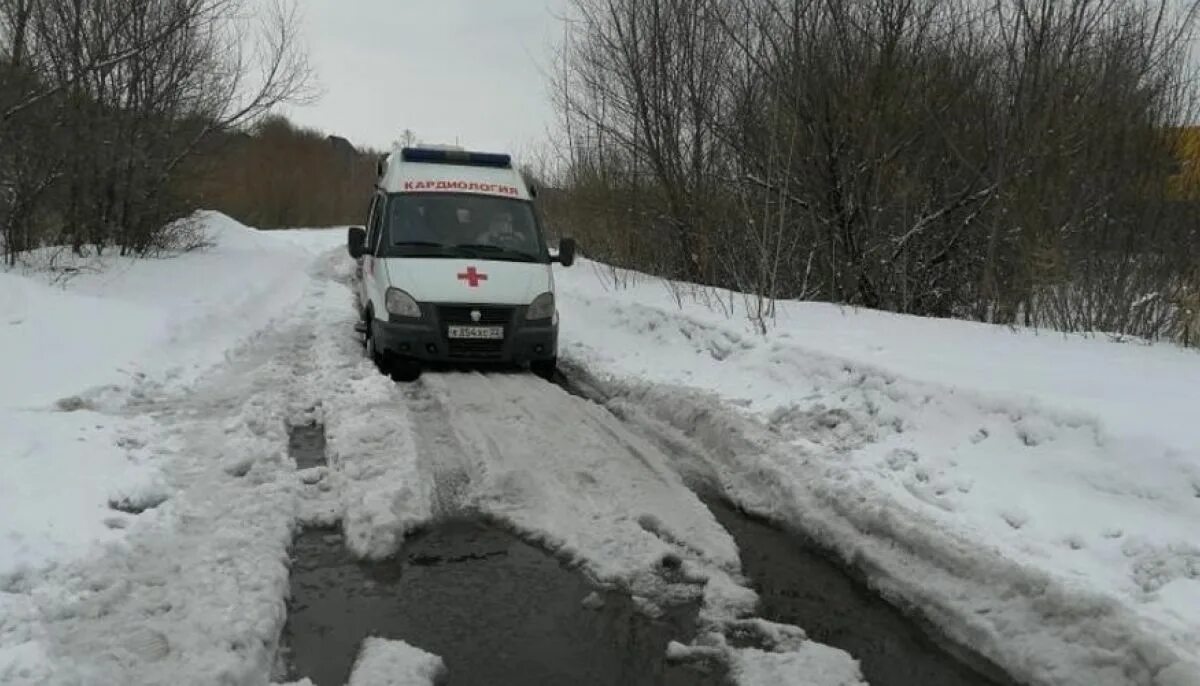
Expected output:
(473, 159)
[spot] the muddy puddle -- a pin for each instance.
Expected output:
(497, 610)
(306, 445)
(798, 585)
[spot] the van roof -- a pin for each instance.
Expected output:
(425, 170)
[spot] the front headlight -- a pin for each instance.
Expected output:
(542, 307)
(401, 304)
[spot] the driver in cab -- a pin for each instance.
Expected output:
(501, 232)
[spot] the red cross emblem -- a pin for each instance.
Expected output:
(472, 277)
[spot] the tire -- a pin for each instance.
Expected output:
(546, 369)
(398, 370)
(369, 345)
(406, 371)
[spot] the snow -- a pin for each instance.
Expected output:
(73, 465)
(193, 593)
(395, 663)
(465, 443)
(788, 657)
(49, 324)
(188, 583)
(1035, 495)
(374, 485)
(118, 328)
(596, 494)
(148, 501)
(816, 664)
(118, 319)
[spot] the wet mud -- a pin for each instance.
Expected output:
(306, 445)
(497, 610)
(500, 611)
(799, 585)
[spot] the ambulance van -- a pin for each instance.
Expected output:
(455, 266)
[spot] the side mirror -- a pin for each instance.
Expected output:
(356, 241)
(566, 252)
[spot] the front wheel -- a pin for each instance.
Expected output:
(406, 370)
(545, 368)
(372, 348)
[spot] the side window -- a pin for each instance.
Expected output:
(371, 222)
(374, 225)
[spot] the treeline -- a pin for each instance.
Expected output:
(105, 105)
(281, 175)
(1007, 161)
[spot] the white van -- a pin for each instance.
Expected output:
(455, 266)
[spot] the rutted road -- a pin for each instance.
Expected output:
(513, 465)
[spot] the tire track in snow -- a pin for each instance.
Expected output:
(566, 475)
(552, 466)
(439, 453)
(377, 488)
(559, 471)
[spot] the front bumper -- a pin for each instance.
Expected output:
(426, 339)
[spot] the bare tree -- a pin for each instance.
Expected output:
(1007, 162)
(132, 89)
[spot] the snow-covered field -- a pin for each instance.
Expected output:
(1035, 496)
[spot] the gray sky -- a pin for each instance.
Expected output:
(471, 69)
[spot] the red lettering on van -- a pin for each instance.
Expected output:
(461, 185)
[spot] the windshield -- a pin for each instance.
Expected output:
(462, 225)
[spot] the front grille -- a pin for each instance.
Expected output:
(461, 314)
(475, 349)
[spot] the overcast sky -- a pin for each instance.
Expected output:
(447, 69)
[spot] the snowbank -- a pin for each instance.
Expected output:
(119, 331)
(154, 549)
(1036, 495)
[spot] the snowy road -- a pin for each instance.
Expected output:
(559, 471)
(564, 471)
(564, 474)
(149, 535)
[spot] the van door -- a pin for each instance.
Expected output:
(374, 275)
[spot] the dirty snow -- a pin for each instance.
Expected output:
(786, 656)
(372, 484)
(1035, 495)
(395, 663)
(594, 493)
(560, 471)
(145, 539)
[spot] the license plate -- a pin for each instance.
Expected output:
(476, 332)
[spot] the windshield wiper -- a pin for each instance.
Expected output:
(419, 244)
(496, 251)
